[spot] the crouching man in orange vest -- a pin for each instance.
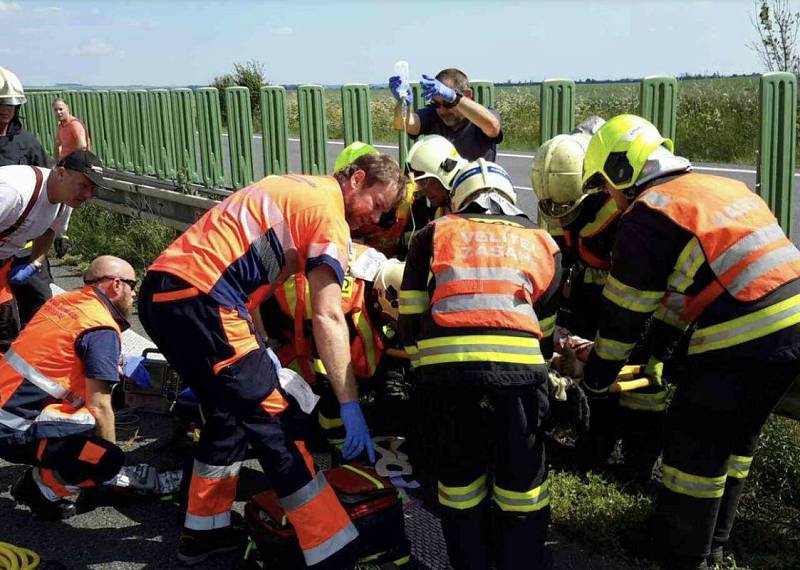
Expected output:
(196, 303)
(370, 281)
(55, 390)
(477, 314)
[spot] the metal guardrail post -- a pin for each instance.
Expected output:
(658, 103)
(356, 116)
(209, 123)
(240, 135)
(139, 101)
(775, 178)
(274, 130)
(96, 125)
(121, 133)
(313, 129)
(557, 108)
(163, 135)
(416, 90)
(185, 137)
(484, 92)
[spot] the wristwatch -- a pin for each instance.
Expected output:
(454, 102)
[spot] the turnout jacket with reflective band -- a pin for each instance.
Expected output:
(479, 291)
(701, 253)
(250, 242)
(366, 345)
(42, 378)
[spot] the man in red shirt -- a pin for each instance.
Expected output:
(71, 135)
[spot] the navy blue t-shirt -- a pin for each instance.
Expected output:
(99, 350)
(470, 142)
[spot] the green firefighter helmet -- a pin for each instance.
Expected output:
(351, 152)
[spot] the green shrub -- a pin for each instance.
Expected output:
(95, 231)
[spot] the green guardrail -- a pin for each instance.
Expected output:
(658, 103)
(484, 92)
(557, 108)
(121, 134)
(209, 125)
(313, 129)
(274, 130)
(775, 180)
(163, 133)
(183, 116)
(356, 116)
(141, 129)
(240, 135)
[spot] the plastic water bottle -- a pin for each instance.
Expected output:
(401, 70)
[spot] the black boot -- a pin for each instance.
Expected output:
(26, 492)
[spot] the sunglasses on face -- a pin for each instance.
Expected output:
(129, 282)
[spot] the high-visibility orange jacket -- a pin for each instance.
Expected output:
(366, 344)
(705, 254)
(241, 249)
(42, 379)
(480, 292)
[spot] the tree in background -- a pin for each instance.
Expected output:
(777, 26)
(249, 74)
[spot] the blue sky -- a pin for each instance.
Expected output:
(182, 42)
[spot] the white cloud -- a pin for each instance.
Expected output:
(47, 11)
(282, 31)
(9, 7)
(93, 47)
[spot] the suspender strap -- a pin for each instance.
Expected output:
(31, 203)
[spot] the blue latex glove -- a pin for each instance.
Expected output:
(21, 273)
(432, 87)
(396, 85)
(357, 437)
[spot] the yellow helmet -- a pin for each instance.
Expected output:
(351, 152)
(619, 150)
(387, 288)
(556, 177)
(11, 92)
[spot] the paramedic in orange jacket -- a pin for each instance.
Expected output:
(55, 390)
(195, 304)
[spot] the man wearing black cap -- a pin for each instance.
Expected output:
(35, 204)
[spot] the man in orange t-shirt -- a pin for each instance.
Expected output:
(71, 135)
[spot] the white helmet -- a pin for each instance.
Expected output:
(556, 177)
(433, 156)
(387, 288)
(478, 176)
(11, 92)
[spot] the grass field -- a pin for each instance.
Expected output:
(717, 118)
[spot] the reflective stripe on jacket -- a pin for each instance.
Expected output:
(238, 251)
(43, 363)
(489, 273)
(736, 233)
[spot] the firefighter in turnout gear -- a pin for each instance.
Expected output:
(704, 254)
(584, 225)
(477, 314)
(196, 304)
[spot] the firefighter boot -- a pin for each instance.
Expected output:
(466, 533)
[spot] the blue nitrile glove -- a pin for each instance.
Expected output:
(133, 368)
(357, 437)
(395, 85)
(432, 87)
(21, 273)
